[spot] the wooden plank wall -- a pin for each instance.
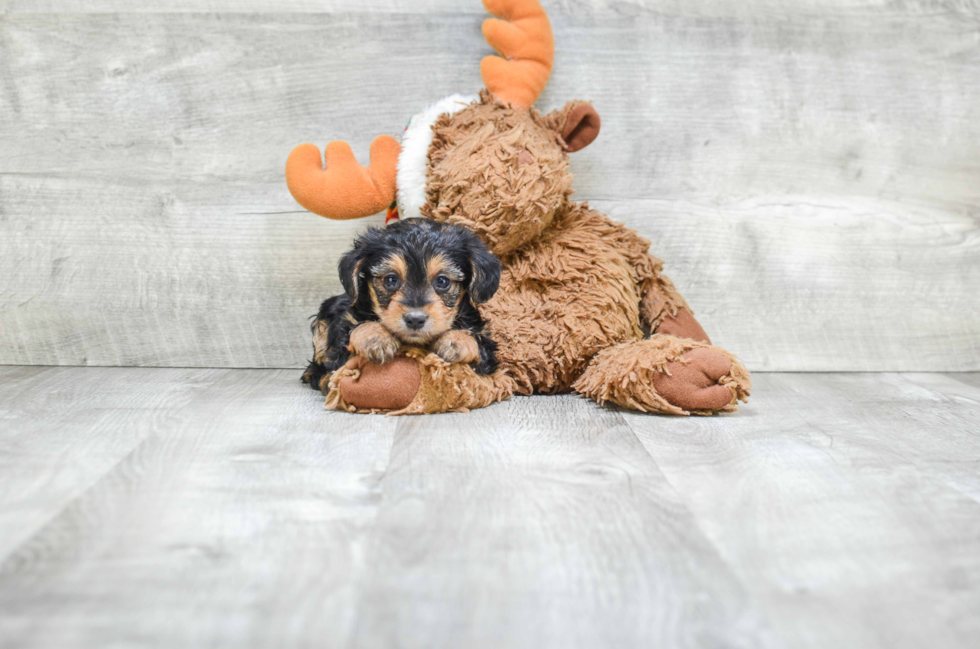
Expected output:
(809, 170)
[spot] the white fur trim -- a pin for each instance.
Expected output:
(413, 161)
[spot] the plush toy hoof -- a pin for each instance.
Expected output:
(693, 384)
(391, 386)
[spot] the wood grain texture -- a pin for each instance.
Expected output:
(541, 523)
(818, 497)
(834, 510)
(243, 524)
(237, 6)
(60, 435)
(809, 171)
(770, 8)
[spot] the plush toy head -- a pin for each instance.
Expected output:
(490, 162)
(503, 171)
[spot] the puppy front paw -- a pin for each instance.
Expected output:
(457, 346)
(374, 342)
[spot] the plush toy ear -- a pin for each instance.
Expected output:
(578, 124)
(484, 270)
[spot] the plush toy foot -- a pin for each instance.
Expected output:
(668, 375)
(391, 386)
(415, 383)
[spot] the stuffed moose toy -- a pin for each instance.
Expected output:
(577, 290)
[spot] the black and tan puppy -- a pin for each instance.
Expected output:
(413, 282)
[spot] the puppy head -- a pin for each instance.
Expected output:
(414, 275)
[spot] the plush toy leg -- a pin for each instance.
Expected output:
(682, 325)
(412, 384)
(668, 375)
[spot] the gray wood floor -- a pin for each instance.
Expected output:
(188, 507)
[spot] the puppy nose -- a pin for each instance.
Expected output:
(415, 319)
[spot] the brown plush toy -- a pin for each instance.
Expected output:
(577, 289)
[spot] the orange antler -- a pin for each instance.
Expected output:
(344, 189)
(524, 38)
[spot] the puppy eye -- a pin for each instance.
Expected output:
(390, 280)
(441, 283)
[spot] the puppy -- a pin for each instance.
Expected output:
(414, 282)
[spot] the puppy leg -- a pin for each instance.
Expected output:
(457, 346)
(488, 355)
(330, 331)
(375, 343)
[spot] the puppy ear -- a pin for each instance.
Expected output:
(350, 270)
(484, 270)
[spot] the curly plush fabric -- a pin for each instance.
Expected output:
(576, 286)
(544, 315)
(498, 170)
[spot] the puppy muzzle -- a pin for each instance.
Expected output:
(415, 320)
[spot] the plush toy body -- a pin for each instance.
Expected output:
(577, 290)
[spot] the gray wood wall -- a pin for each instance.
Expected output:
(809, 170)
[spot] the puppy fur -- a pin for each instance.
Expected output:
(414, 282)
